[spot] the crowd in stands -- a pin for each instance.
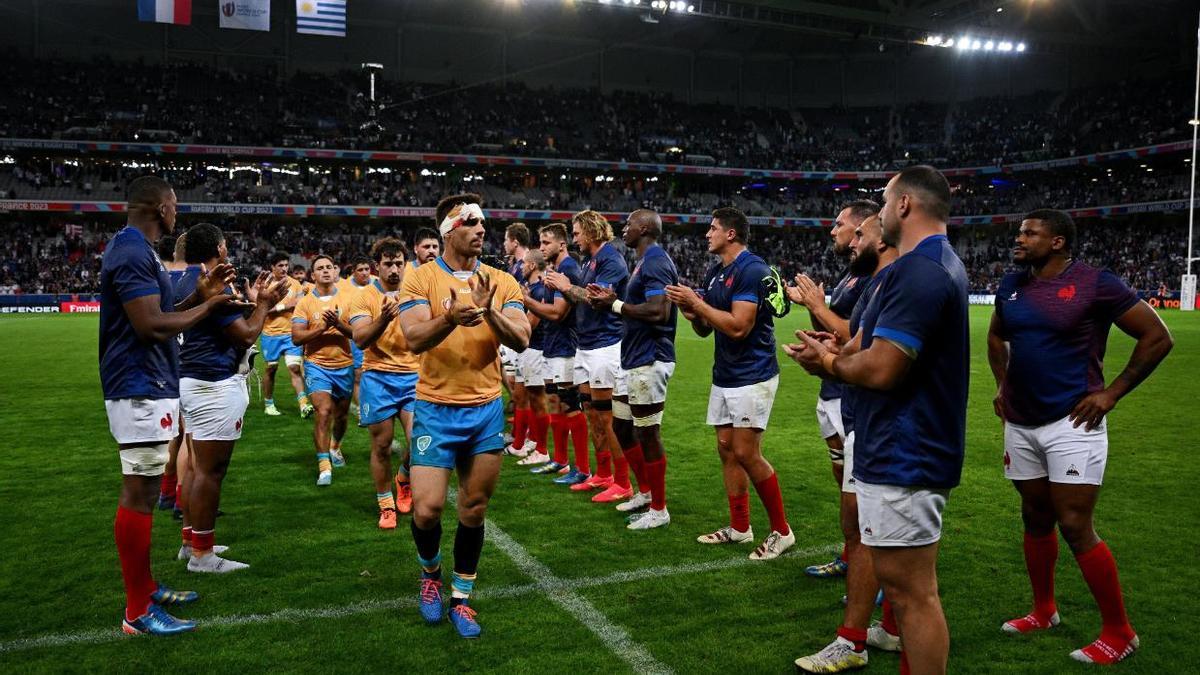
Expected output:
(64, 256)
(274, 183)
(198, 103)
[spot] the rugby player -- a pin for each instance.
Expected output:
(598, 358)
(516, 245)
(319, 327)
(561, 340)
(360, 277)
(277, 342)
(647, 363)
(300, 274)
(389, 378)
(869, 257)
(455, 313)
(745, 378)
(1046, 348)
(910, 365)
(426, 245)
(833, 319)
(139, 375)
(213, 393)
(170, 250)
(532, 370)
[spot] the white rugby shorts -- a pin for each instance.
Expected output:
(747, 407)
(848, 463)
(899, 516)
(598, 368)
(532, 369)
(215, 410)
(648, 384)
(829, 417)
(1058, 451)
(561, 369)
(150, 423)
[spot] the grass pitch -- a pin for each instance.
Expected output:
(327, 591)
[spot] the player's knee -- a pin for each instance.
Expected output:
(426, 516)
(472, 509)
(1077, 530)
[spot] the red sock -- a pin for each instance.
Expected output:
(579, 438)
(1040, 555)
(541, 428)
(889, 618)
(604, 467)
(520, 426)
(621, 471)
(656, 474)
(1100, 572)
(560, 428)
(202, 542)
(904, 668)
(186, 534)
(772, 499)
(739, 512)
(167, 488)
(856, 635)
(637, 462)
(132, 532)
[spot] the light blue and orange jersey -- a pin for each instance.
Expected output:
(280, 323)
(464, 369)
(351, 289)
(330, 349)
(390, 351)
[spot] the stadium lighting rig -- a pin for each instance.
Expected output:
(969, 43)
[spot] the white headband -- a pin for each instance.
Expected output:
(459, 216)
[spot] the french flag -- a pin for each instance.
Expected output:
(165, 11)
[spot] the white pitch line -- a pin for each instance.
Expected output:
(549, 586)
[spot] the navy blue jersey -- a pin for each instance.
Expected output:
(602, 328)
(869, 287)
(643, 342)
(1057, 332)
(176, 275)
(740, 363)
(129, 367)
(915, 434)
(542, 293)
(206, 354)
(561, 340)
(842, 302)
(517, 269)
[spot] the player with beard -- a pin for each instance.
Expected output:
(869, 257)
(360, 277)
(426, 246)
(389, 378)
(277, 342)
(455, 313)
(834, 319)
(910, 365)
(1046, 349)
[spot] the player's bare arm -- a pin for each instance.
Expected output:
(424, 332)
(1154, 342)
(244, 331)
(882, 366)
(367, 332)
(812, 295)
(154, 325)
(656, 309)
(736, 323)
(547, 311)
(997, 350)
(510, 324)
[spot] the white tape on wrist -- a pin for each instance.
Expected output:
(616, 307)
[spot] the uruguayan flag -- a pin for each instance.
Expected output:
(321, 17)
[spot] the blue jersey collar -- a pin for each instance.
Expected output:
(442, 263)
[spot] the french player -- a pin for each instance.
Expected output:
(1046, 348)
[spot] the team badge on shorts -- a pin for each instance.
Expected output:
(423, 444)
